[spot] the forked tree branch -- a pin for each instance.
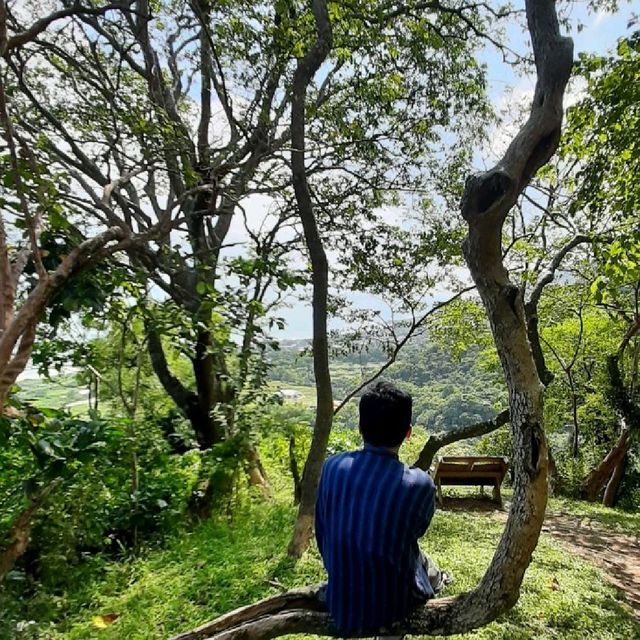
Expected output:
(8, 43)
(531, 305)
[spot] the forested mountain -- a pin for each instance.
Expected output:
(447, 390)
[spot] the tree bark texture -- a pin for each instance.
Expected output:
(611, 490)
(487, 200)
(305, 71)
(593, 485)
(438, 440)
(20, 533)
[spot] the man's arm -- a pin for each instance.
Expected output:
(426, 507)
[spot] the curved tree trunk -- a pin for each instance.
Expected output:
(198, 407)
(185, 399)
(487, 200)
(629, 414)
(593, 485)
(439, 440)
(304, 73)
(611, 490)
(20, 533)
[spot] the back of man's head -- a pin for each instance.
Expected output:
(385, 415)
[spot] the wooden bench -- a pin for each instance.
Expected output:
(470, 471)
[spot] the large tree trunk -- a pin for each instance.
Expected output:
(185, 399)
(595, 482)
(215, 393)
(304, 73)
(488, 198)
(611, 490)
(198, 407)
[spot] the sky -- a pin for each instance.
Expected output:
(599, 33)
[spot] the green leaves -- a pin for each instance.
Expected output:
(47, 445)
(602, 141)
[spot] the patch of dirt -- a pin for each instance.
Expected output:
(475, 504)
(617, 554)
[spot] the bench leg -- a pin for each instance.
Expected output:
(439, 485)
(482, 490)
(496, 494)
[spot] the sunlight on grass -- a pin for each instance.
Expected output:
(224, 564)
(623, 521)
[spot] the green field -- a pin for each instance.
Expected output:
(56, 392)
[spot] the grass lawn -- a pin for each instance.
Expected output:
(224, 564)
(623, 521)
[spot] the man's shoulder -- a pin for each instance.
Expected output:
(420, 480)
(340, 459)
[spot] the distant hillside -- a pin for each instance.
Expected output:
(447, 391)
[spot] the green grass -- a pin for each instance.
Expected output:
(229, 562)
(224, 564)
(616, 519)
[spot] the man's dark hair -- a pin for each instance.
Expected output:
(385, 415)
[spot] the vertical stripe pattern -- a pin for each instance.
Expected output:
(371, 510)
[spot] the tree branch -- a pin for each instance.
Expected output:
(548, 275)
(32, 32)
(186, 400)
(399, 345)
(531, 306)
(439, 440)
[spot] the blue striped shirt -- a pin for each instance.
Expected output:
(371, 510)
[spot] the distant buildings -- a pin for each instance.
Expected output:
(290, 394)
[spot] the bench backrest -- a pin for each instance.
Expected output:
(464, 467)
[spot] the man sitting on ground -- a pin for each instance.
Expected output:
(370, 512)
